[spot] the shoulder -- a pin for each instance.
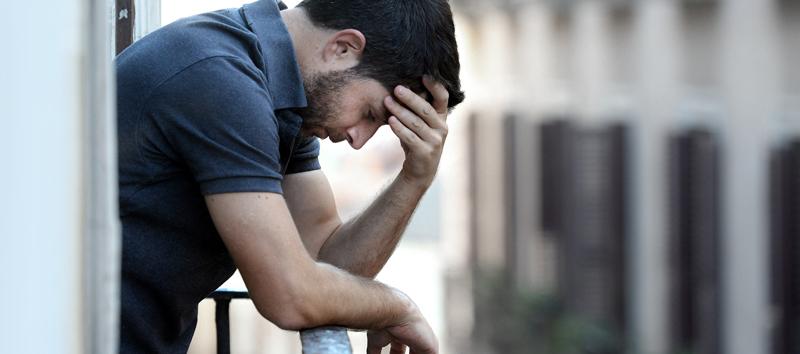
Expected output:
(225, 87)
(195, 37)
(180, 45)
(209, 34)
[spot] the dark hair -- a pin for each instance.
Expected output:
(406, 39)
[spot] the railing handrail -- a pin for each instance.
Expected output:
(325, 340)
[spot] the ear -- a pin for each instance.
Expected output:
(344, 48)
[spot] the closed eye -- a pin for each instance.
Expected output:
(375, 119)
(384, 114)
(382, 117)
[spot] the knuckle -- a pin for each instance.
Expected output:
(403, 119)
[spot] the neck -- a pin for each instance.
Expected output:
(305, 38)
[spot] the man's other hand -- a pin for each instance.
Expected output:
(412, 332)
(421, 128)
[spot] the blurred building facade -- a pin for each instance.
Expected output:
(623, 178)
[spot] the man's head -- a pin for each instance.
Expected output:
(368, 48)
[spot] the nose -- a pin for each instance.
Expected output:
(358, 135)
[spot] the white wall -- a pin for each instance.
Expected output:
(55, 92)
(40, 147)
(751, 88)
(657, 52)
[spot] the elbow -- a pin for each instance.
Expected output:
(287, 319)
(289, 311)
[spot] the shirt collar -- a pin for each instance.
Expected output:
(284, 79)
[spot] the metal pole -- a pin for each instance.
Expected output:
(125, 19)
(223, 325)
(325, 340)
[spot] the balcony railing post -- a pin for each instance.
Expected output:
(223, 325)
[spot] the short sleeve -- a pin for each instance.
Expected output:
(216, 117)
(305, 157)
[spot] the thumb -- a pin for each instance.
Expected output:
(398, 348)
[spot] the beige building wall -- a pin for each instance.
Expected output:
(659, 65)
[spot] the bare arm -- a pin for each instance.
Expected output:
(364, 244)
(292, 290)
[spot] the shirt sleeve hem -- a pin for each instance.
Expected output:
(241, 184)
(305, 166)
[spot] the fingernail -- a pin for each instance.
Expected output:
(401, 90)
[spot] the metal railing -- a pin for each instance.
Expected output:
(322, 340)
(326, 340)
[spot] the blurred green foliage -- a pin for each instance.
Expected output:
(516, 322)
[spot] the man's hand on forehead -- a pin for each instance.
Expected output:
(420, 122)
(424, 94)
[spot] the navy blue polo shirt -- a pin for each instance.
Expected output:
(205, 105)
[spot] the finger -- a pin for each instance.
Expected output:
(413, 351)
(398, 348)
(373, 349)
(423, 350)
(409, 119)
(406, 136)
(376, 340)
(425, 96)
(439, 92)
(420, 106)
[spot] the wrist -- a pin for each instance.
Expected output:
(408, 310)
(421, 183)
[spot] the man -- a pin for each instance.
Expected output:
(219, 120)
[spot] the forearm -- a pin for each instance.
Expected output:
(340, 298)
(333, 296)
(294, 291)
(363, 245)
